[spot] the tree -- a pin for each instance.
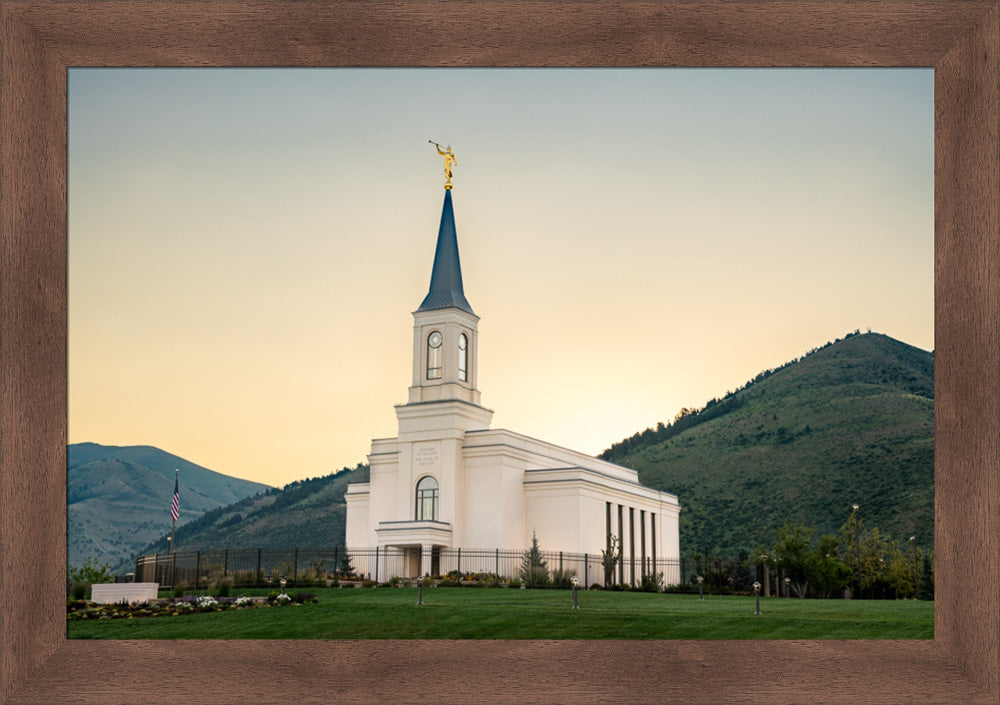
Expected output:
(874, 549)
(828, 572)
(794, 551)
(925, 590)
(82, 577)
(534, 571)
(850, 541)
(346, 566)
(901, 572)
(609, 559)
(742, 579)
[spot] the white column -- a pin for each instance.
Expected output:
(425, 559)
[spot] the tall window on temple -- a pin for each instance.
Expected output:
(434, 355)
(427, 499)
(463, 358)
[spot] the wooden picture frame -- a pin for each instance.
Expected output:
(41, 38)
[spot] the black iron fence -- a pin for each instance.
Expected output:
(260, 567)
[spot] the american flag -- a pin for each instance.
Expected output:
(175, 503)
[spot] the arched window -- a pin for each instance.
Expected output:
(434, 355)
(463, 358)
(427, 499)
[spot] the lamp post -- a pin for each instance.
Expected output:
(756, 593)
(701, 593)
(857, 545)
(576, 584)
(787, 583)
(282, 584)
(767, 577)
(420, 591)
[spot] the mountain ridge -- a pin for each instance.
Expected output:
(118, 498)
(849, 422)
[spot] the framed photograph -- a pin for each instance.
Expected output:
(42, 40)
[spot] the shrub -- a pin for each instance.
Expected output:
(303, 597)
(79, 591)
(486, 579)
(651, 582)
(224, 587)
(271, 597)
(448, 582)
(515, 582)
(367, 583)
(596, 586)
(563, 578)
(180, 589)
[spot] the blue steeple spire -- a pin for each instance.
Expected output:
(446, 277)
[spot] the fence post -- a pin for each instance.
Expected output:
(225, 563)
(460, 565)
(586, 571)
(376, 565)
(336, 564)
(295, 570)
(560, 566)
(259, 576)
(173, 568)
(197, 569)
(498, 565)
(156, 562)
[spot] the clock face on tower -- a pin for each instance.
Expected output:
(434, 355)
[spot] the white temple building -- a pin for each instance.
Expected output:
(448, 481)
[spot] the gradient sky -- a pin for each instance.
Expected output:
(246, 246)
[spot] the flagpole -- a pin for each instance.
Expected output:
(174, 509)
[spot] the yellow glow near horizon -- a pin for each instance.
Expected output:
(246, 246)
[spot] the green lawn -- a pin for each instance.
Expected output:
(482, 613)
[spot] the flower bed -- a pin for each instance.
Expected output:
(189, 604)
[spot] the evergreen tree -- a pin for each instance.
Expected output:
(534, 571)
(346, 565)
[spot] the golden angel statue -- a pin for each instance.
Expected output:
(449, 162)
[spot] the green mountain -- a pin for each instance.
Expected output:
(851, 422)
(119, 498)
(306, 513)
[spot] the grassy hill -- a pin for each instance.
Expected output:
(851, 422)
(119, 498)
(305, 513)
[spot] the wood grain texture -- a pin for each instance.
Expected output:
(967, 342)
(40, 39)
